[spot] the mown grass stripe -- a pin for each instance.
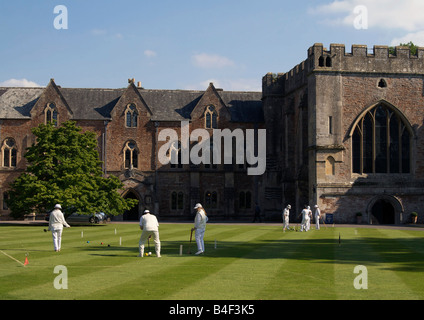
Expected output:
(242, 272)
(366, 248)
(256, 261)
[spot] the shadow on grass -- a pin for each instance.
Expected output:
(397, 254)
(393, 254)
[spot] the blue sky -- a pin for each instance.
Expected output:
(186, 44)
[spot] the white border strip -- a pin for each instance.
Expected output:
(12, 258)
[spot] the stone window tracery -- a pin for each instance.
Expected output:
(381, 142)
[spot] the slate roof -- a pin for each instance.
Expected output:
(16, 103)
(91, 104)
(97, 104)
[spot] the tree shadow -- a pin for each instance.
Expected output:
(393, 254)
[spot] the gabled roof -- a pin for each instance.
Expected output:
(16, 103)
(171, 105)
(243, 106)
(91, 104)
(98, 103)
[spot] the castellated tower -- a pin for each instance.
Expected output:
(344, 131)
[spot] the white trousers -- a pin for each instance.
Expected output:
(144, 237)
(317, 222)
(286, 223)
(57, 238)
(199, 234)
(305, 225)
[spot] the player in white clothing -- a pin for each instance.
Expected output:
(286, 217)
(199, 227)
(317, 216)
(56, 223)
(150, 227)
(306, 218)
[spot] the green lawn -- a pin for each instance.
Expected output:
(250, 262)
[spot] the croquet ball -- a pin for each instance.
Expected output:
(150, 253)
(88, 241)
(108, 245)
(101, 242)
(146, 254)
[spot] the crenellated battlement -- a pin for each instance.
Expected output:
(360, 60)
(283, 83)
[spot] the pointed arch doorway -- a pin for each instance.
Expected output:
(133, 213)
(385, 210)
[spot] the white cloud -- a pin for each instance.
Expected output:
(150, 53)
(416, 37)
(98, 32)
(105, 33)
(18, 83)
(205, 60)
(385, 14)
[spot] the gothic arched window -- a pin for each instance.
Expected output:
(9, 153)
(131, 116)
(177, 200)
(245, 200)
(130, 155)
(211, 117)
(51, 114)
(175, 155)
(381, 142)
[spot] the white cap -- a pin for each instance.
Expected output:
(198, 205)
(316, 206)
(146, 211)
(58, 206)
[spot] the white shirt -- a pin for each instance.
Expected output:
(57, 220)
(317, 212)
(200, 220)
(305, 214)
(149, 222)
(286, 213)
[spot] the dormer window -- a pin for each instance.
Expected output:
(51, 114)
(211, 117)
(131, 116)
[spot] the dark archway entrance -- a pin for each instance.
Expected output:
(383, 212)
(132, 214)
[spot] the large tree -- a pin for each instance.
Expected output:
(64, 167)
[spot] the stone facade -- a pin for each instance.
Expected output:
(352, 138)
(343, 130)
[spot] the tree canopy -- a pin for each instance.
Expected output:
(412, 47)
(64, 167)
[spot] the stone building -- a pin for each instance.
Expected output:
(345, 131)
(127, 123)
